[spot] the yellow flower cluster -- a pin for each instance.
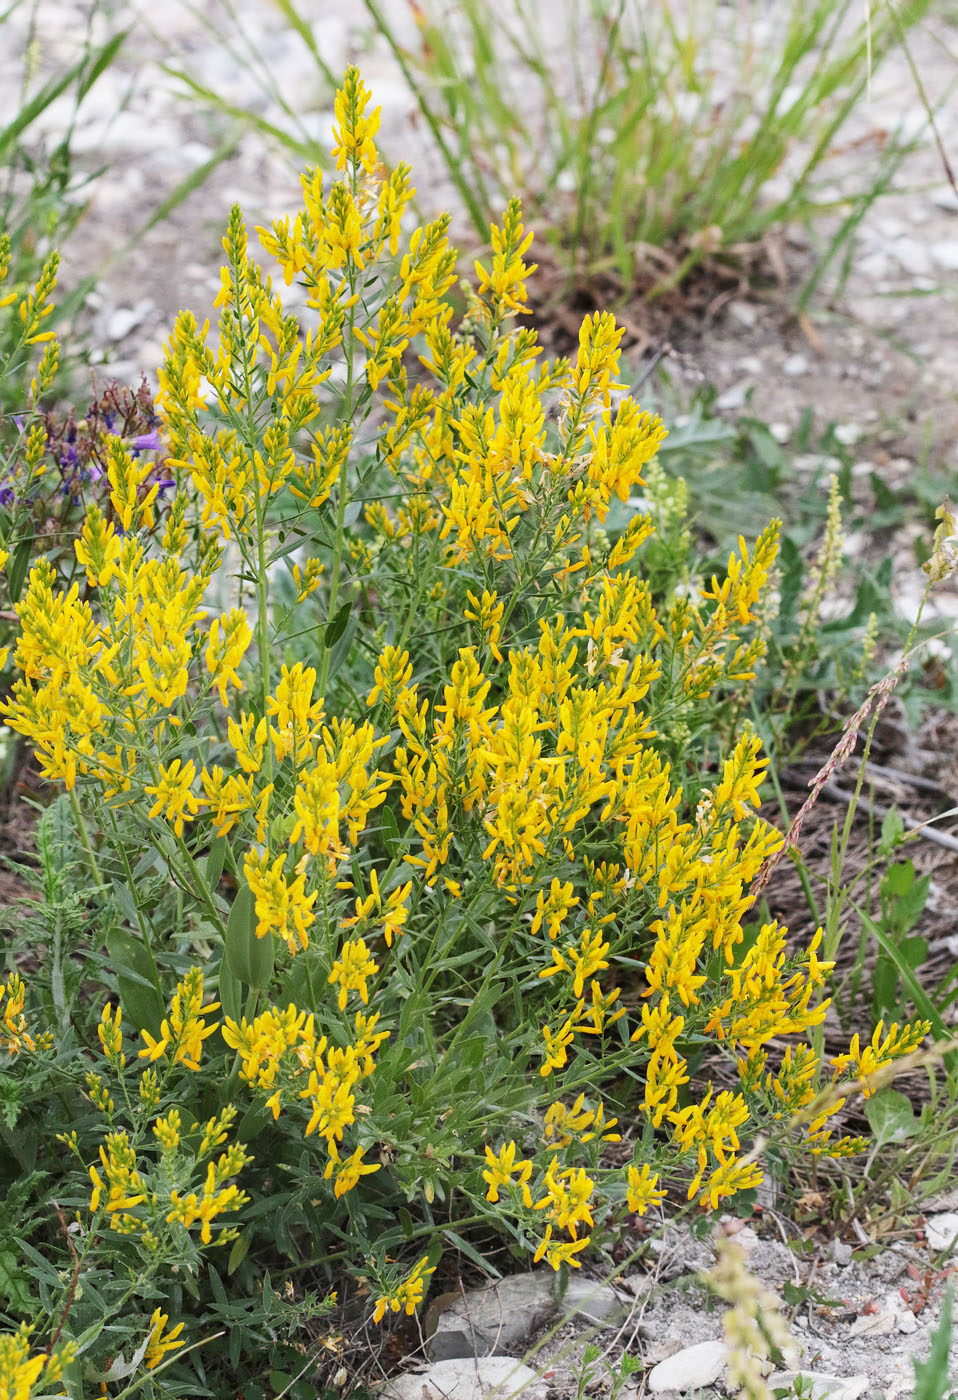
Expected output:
(15, 1036)
(407, 1295)
(281, 1055)
(19, 1371)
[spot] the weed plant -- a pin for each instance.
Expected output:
(642, 138)
(41, 189)
(406, 834)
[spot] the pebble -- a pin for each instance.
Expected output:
(820, 1385)
(877, 1324)
(838, 1251)
(946, 199)
(795, 366)
(690, 1369)
(781, 432)
(912, 255)
(849, 433)
(125, 319)
(734, 396)
(499, 1319)
(945, 255)
(467, 1379)
(941, 1230)
(743, 312)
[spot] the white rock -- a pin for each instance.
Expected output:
(838, 1252)
(946, 199)
(912, 255)
(781, 432)
(941, 1230)
(734, 396)
(907, 1322)
(126, 319)
(875, 265)
(498, 1319)
(594, 1302)
(795, 366)
(945, 255)
(874, 1325)
(467, 1379)
(746, 1239)
(821, 1385)
(849, 433)
(691, 1368)
(750, 364)
(743, 312)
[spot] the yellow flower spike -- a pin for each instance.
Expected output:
(98, 547)
(160, 1341)
(174, 795)
(487, 612)
(505, 284)
(166, 1130)
(392, 674)
(408, 1295)
(228, 643)
(351, 970)
(110, 1034)
(282, 906)
(19, 1371)
(883, 1048)
(353, 143)
(182, 1034)
(643, 1189)
(130, 493)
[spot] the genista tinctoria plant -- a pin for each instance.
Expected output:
(420, 832)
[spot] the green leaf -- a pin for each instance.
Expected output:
(13, 1287)
(229, 992)
(140, 998)
(891, 1117)
(17, 568)
(215, 861)
(390, 830)
(932, 1377)
(337, 626)
(239, 1251)
(249, 958)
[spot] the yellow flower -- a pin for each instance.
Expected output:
(229, 639)
(881, 1051)
(282, 906)
(408, 1295)
(167, 1130)
(347, 1173)
(19, 1371)
(568, 1197)
(110, 1034)
(185, 1030)
(500, 1168)
(643, 1189)
(161, 1342)
(352, 969)
(506, 282)
(353, 142)
(174, 797)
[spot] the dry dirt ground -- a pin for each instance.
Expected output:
(877, 355)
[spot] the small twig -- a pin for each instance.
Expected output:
(875, 809)
(71, 1291)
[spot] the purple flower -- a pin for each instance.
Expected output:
(148, 442)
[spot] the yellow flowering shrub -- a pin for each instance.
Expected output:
(421, 824)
